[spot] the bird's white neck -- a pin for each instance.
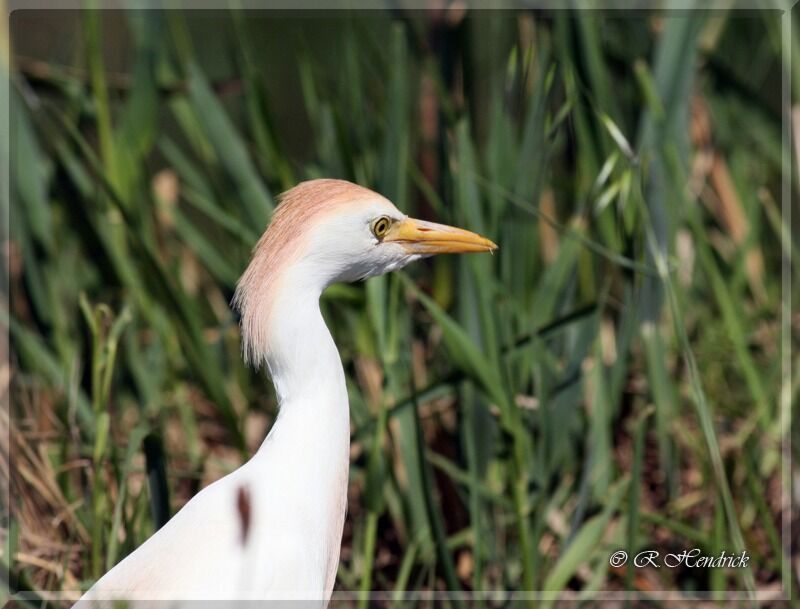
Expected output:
(310, 439)
(302, 358)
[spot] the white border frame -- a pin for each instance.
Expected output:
(785, 396)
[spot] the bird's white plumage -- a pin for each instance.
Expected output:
(297, 481)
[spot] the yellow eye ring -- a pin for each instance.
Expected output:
(381, 226)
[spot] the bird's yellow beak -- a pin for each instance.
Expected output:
(420, 237)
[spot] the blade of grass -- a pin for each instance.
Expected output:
(702, 409)
(231, 150)
(634, 490)
(584, 542)
(134, 440)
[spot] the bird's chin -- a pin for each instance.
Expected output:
(387, 267)
(406, 260)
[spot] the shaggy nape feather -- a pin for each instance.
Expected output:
(282, 244)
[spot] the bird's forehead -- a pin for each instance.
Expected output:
(367, 207)
(319, 200)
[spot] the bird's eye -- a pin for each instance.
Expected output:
(381, 226)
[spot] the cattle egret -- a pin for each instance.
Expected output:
(272, 529)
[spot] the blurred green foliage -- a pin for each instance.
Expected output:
(608, 379)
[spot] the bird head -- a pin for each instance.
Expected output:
(326, 231)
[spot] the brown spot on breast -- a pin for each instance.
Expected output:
(244, 507)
